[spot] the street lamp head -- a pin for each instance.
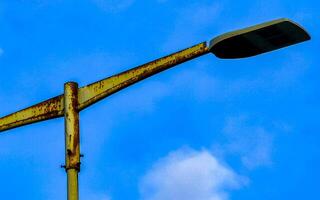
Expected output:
(258, 39)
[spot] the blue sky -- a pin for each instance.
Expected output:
(206, 130)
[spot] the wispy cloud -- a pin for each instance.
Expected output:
(252, 143)
(191, 25)
(1, 51)
(113, 5)
(190, 175)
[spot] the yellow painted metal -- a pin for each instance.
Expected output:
(48, 109)
(94, 92)
(72, 138)
(72, 184)
(72, 187)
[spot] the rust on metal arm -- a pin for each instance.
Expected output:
(94, 92)
(51, 108)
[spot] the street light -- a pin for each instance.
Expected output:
(258, 39)
(238, 44)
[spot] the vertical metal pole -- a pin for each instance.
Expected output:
(72, 145)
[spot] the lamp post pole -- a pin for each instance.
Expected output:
(72, 139)
(243, 43)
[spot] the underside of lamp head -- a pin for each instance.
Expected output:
(258, 39)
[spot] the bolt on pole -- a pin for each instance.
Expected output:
(72, 139)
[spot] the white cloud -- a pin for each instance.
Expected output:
(189, 175)
(253, 144)
(113, 5)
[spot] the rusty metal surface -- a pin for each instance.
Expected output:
(71, 119)
(51, 108)
(72, 139)
(94, 92)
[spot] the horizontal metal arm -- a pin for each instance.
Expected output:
(94, 92)
(48, 109)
